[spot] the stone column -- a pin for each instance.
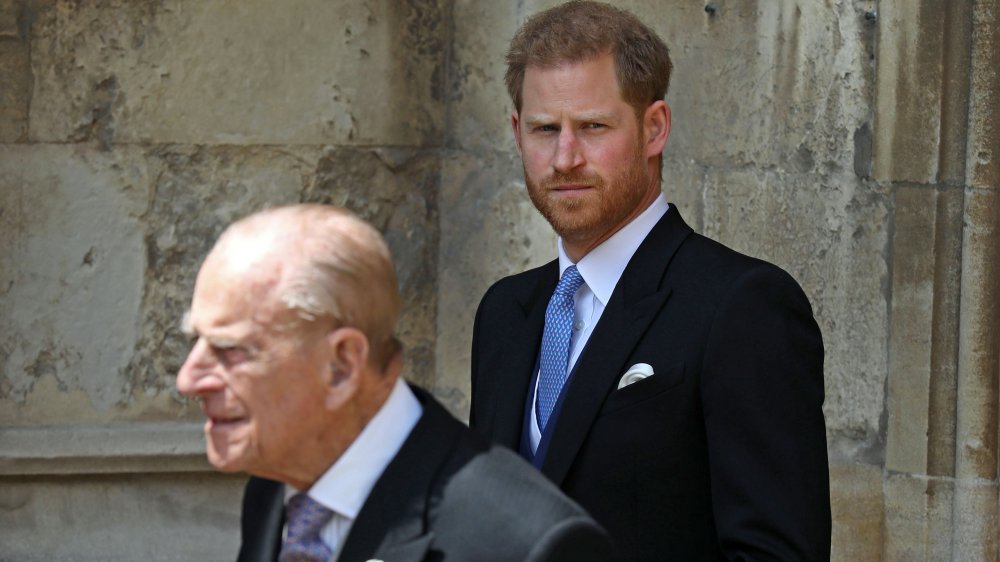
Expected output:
(936, 143)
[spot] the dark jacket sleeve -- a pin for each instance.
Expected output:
(762, 393)
(474, 378)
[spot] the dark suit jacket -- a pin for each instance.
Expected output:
(721, 454)
(446, 496)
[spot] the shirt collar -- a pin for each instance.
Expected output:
(603, 266)
(345, 486)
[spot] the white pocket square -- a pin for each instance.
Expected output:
(635, 373)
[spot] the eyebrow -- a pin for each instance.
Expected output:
(187, 328)
(586, 116)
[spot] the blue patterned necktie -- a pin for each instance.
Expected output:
(302, 541)
(555, 344)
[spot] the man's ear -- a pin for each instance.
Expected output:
(515, 124)
(656, 127)
(348, 358)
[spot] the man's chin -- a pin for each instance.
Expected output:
(226, 457)
(223, 463)
(571, 228)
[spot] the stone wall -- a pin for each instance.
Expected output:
(852, 142)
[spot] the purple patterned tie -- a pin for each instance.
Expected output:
(554, 361)
(302, 542)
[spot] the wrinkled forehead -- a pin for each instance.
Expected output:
(233, 288)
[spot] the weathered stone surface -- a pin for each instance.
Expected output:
(805, 78)
(305, 71)
(71, 270)
(121, 518)
(479, 107)
(684, 186)
(395, 189)
(508, 236)
(858, 513)
(9, 12)
(926, 264)
(114, 448)
(15, 75)
(909, 93)
(984, 114)
(977, 520)
(943, 398)
(918, 518)
(129, 231)
(911, 330)
(834, 246)
(979, 341)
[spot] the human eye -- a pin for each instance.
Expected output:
(593, 125)
(545, 128)
(231, 355)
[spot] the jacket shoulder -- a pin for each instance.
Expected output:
(494, 489)
(707, 261)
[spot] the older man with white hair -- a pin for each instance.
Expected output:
(298, 370)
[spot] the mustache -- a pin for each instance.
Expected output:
(558, 179)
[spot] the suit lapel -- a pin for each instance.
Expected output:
(262, 520)
(393, 524)
(635, 302)
(514, 374)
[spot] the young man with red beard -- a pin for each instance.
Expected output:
(670, 385)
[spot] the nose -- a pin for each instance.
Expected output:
(199, 375)
(568, 154)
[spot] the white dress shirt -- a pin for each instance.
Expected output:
(601, 270)
(345, 486)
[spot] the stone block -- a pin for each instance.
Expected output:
(71, 275)
(489, 229)
(977, 522)
(857, 507)
(15, 75)
(908, 96)
(979, 339)
(945, 348)
(830, 232)
(918, 518)
(479, 105)
(911, 330)
(955, 19)
(923, 99)
(122, 448)
(10, 12)
(254, 72)
(780, 85)
(121, 518)
(984, 112)
(926, 259)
